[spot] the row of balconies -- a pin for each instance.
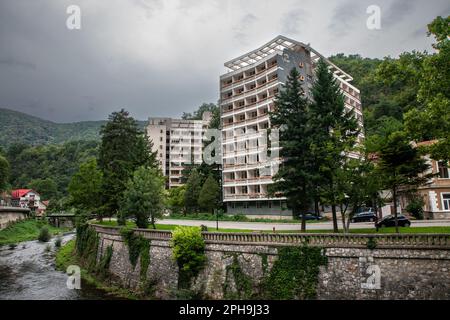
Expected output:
(249, 74)
(233, 95)
(350, 91)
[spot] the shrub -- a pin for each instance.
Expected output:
(58, 242)
(203, 228)
(415, 208)
(240, 217)
(294, 274)
(188, 252)
(44, 235)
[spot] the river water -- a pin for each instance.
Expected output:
(27, 272)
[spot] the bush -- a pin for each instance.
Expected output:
(188, 252)
(58, 242)
(415, 208)
(44, 235)
(240, 217)
(203, 228)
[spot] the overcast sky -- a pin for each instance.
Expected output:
(163, 57)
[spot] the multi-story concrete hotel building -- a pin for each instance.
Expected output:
(177, 143)
(247, 93)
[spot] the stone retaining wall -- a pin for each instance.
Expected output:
(409, 266)
(10, 214)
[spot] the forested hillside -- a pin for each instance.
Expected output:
(17, 127)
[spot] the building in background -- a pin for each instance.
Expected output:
(435, 193)
(177, 142)
(247, 93)
(28, 198)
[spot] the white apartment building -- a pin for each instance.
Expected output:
(177, 142)
(247, 93)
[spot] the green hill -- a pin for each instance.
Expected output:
(18, 127)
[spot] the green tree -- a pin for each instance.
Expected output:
(193, 188)
(333, 133)
(144, 197)
(294, 177)
(47, 188)
(401, 168)
(198, 114)
(175, 199)
(123, 149)
(431, 120)
(4, 173)
(209, 195)
(85, 187)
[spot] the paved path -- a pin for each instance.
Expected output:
(291, 226)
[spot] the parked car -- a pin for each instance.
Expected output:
(389, 221)
(365, 215)
(311, 216)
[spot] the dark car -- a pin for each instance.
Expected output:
(365, 215)
(389, 221)
(311, 216)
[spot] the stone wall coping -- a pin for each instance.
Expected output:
(14, 210)
(326, 240)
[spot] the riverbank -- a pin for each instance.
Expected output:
(26, 230)
(67, 256)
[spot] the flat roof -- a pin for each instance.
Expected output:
(277, 45)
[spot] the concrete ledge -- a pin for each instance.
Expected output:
(325, 240)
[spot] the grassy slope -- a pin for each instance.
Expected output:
(25, 231)
(66, 256)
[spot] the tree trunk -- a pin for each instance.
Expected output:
(343, 218)
(335, 224)
(333, 208)
(394, 196)
(303, 222)
(316, 207)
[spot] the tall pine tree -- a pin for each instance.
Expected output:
(333, 133)
(123, 149)
(293, 180)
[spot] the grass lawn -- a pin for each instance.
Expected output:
(360, 231)
(26, 230)
(236, 218)
(167, 227)
(380, 231)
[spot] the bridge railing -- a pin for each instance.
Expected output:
(438, 241)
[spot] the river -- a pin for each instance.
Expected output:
(27, 272)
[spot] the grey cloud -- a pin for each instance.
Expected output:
(160, 58)
(395, 13)
(293, 21)
(343, 16)
(241, 30)
(13, 62)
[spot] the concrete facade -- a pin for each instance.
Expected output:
(247, 94)
(177, 142)
(403, 266)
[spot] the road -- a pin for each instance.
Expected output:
(291, 226)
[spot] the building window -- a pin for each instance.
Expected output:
(443, 170)
(446, 201)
